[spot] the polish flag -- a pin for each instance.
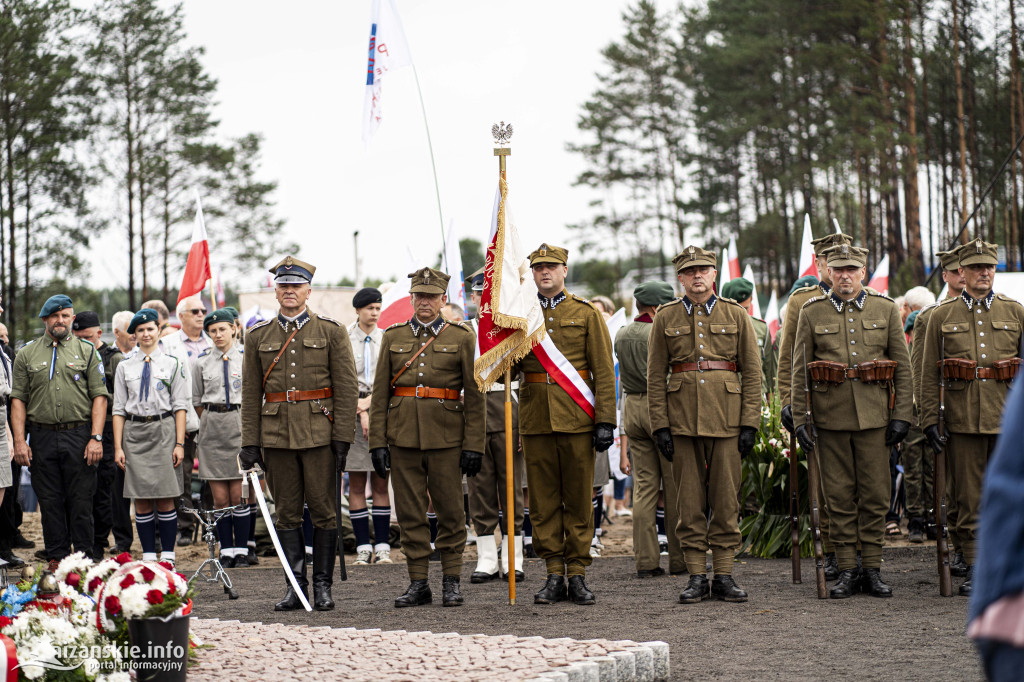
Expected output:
(388, 52)
(197, 267)
(772, 318)
(880, 277)
(806, 264)
(734, 259)
(396, 304)
(748, 274)
(724, 272)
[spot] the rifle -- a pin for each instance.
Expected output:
(812, 491)
(939, 493)
(794, 510)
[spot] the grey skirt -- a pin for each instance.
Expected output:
(359, 453)
(220, 438)
(149, 472)
(602, 470)
(6, 480)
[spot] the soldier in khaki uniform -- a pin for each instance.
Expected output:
(299, 394)
(652, 471)
(559, 437)
(741, 290)
(981, 331)
(418, 430)
(704, 397)
(856, 419)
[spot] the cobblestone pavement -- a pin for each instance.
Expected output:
(254, 651)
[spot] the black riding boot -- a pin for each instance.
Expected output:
(295, 554)
(325, 549)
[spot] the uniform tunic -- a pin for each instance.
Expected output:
(148, 446)
(220, 425)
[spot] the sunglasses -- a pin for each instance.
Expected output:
(198, 311)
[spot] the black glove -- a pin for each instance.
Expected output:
(663, 439)
(251, 456)
(381, 460)
(787, 418)
(470, 462)
(604, 436)
(896, 432)
(806, 435)
(746, 442)
(340, 450)
(937, 442)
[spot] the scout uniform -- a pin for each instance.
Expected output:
(652, 472)
(558, 436)
(59, 381)
(299, 403)
(978, 333)
(740, 290)
(6, 478)
(704, 386)
(855, 416)
(417, 414)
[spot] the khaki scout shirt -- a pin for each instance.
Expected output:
(793, 306)
(320, 356)
(631, 349)
(427, 423)
(217, 377)
(710, 403)
(579, 331)
(983, 330)
(58, 381)
(769, 355)
(865, 328)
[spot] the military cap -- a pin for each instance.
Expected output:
(142, 317)
(428, 281)
(549, 254)
(738, 289)
(823, 244)
(805, 281)
(86, 319)
(365, 297)
(693, 256)
(845, 255)
(55, 303)
(476, 280)
(233, 310)
(293, 271)
(908, 326)
(219, 315)
(978, 252)
(653, 293)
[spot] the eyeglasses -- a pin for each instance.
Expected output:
(198, 311)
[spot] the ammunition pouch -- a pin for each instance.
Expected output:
(960, 369)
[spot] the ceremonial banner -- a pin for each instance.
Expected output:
(806, 264)
(733, 262)
(880, 277)
(772, 318)
(197, 267)
(388, 52)
(748, 274)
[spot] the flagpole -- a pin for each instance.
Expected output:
(510, 504)
(433, 167)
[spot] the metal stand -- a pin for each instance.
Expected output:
(216, 573)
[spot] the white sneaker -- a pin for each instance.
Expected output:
(363, 557)
(623, 512)
(595, 551)
(383, 556)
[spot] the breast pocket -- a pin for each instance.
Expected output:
(876, 332)
(827, 336)
(314, 352)
(723, 339)
(444, 357)
(956, 339)
(679, 340)
(77, 369)
(1006, 336)
(572, 328)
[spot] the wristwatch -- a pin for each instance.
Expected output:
(97, 437)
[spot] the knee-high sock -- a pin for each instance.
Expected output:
(307, 528)
(432, 520)
(598, 513)
(659, 522)
(145, 524)
(381, 526)
(527, 527)
(168, 523)
(240, 520)
(361, 526)
(254, 511)
(225, 531)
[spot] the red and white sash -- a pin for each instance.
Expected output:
(565, 375)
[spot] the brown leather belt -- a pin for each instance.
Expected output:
(869, 372)
(65, 426)
(299, 396)
(961, 369)
(703, 366)
(545, 378)
(426, 392)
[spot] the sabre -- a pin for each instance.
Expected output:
(262, 502)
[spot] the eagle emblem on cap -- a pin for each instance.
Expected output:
(426, 277)
(692, 252)
(543, 249)
(845, 249)
(978, 244)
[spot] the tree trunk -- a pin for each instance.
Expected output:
(1014, 237)
(958, 77)
(913, 199)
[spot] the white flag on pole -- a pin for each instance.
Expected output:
(748, 274)
(388, 52)
(807, 264)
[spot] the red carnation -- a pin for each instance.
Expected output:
(5, 621)
(95, 583)
(168, 565)
(123, 558)
(148, 574)
(127, 581)
(170, 587)
(73, 579)
(112, 604)
(155, 597)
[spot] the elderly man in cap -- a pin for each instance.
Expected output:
(977, 338)
(366, 338)
(422, 431)
(741, 290)
(704, 398)
(299, 395)
(652, 471)
(566, 411)
(858, 413)
(87, 327)
(59, 400)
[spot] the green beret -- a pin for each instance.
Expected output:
(55, 303)
(233, 310)
(654, 293)
(739, 289)
(142, 317)
(908, 326)
(219, 315)
(805, 281)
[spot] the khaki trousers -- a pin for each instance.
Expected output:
(302, 476)
(707, 473)
(969, 455)
(487, 490)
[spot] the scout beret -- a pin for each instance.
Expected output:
(428, 281)
(219, 315)
(55, 303)
(549, 254)
(476, 280)
(142, 317)
(908, 326)
(293, 271)
(233, 310)
(845, 255)
(739, 289)
(654, 293)
(365, 297)
(86, 319)
(693, 256)
(823, 244)
(978, 252)
(805, 281)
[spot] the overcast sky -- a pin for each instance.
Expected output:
(295, 72)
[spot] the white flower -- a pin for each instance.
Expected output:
(73, 563)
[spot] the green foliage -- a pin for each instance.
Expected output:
(472, 253)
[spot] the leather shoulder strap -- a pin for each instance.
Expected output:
(277, 358)
(409, 362)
